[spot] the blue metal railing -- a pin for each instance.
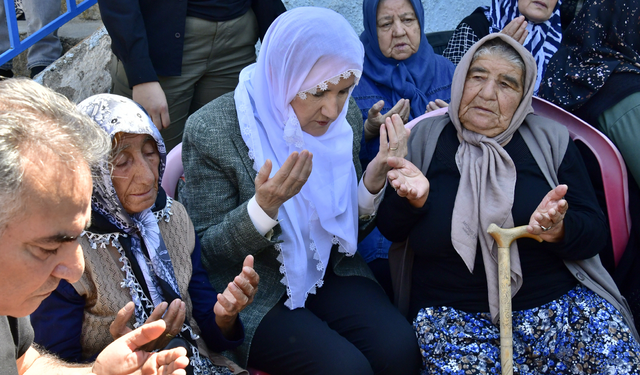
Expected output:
(18, 46)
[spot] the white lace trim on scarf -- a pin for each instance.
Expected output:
(320, 266)
(201, 365)
(322, 86)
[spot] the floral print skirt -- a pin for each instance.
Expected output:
(578, 333)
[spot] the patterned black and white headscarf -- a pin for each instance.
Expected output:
(543, 39)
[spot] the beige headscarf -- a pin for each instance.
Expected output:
(487, 173)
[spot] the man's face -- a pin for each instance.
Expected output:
(39, 247)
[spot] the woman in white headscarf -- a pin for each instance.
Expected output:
(491, 160)
(252, 188)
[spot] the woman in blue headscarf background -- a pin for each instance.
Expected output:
(401, 75)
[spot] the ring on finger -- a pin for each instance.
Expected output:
(393, 148)
(170, 336)
(544, 229)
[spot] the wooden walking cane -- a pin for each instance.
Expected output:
(504, 238)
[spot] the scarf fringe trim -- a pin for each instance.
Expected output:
(165, 213)
(202, 365)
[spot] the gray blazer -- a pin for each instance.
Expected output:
(219, 183)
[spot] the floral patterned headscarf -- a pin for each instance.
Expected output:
(116, 114)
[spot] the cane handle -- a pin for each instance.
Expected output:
(504, 237)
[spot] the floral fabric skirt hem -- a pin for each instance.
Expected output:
(578, 333)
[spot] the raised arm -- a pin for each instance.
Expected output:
(220, 182)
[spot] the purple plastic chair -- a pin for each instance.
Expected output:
(173, 171)
(612, 167)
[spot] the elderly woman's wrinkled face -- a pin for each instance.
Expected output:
(537, 11)
(318, 111)
(492, 92)
(398, 29)
(135, 171)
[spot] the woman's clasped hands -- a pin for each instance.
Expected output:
(548, 218)
(272, 192)
(393, 143)
(238, 295)
(172, 313)
(375, 119)
(408, 181)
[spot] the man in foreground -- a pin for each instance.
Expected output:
(47, 149)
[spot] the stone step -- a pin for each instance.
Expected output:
(70, 34)
(83, 70)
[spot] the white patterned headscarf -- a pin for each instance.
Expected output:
(117, 114)
(543, 39)
(304, 49)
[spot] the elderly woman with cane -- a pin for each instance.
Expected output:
(490, 160)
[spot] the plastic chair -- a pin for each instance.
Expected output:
(173, 171)
(437, 112)
(612, 167)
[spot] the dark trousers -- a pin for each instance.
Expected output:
(349, 327)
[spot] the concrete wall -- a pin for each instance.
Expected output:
(439, 14)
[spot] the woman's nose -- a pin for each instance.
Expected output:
(143, 173)
(330, 109)
(488, 90)
(398, 29)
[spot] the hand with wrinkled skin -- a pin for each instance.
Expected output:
(375, 119)
(238, 295)
(517, 29)
(393, 142)
(272, 192)
(550, 214)
(437, 104)
(408, 181)
(173, 318)
(152, 98)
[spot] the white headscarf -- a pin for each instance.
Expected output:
(304, 49)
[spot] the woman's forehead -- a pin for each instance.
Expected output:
(394, 7)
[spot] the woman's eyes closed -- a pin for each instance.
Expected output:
(121, 162)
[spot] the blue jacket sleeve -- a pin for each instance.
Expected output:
(57, 322)
(203, 298)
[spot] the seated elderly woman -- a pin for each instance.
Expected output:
(141, 251)
(490, 160)
(402, 75)
(536, 24)
(272, 170)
